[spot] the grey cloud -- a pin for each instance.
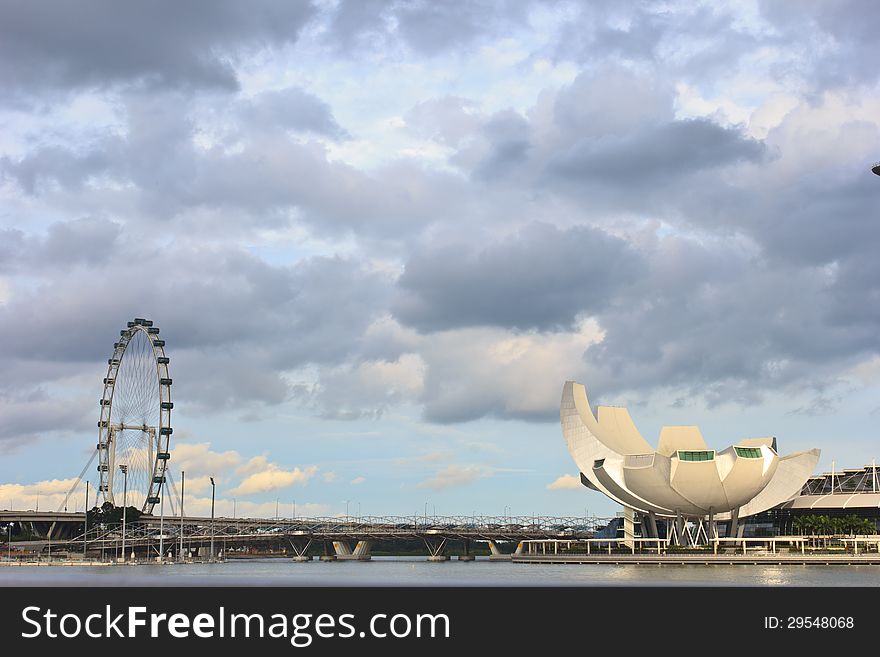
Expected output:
(609, 141)
(11, 246)
(235, 322)
(837, 39)
(431, 27)
(56, 164)
(611, 101)
(86, 241)
(542, 278)
(449, 119)
(816, 220)
(730, 277)
(360, 23)
(236, 378)
(154, 152)
(715, 320)
(820, 405)
(156, 168)
(657, 153)
(427, 28)
(690, 42)
(728, 327)
(97, 43)
(605, 28)
(339, 395)
(806, 210)
(27, 416)
(89, 240)
(854, 304)
(293, 109)
(508, 134)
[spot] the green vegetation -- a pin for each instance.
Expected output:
(111, 516)
(850, 525)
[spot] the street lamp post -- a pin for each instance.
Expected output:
(86, 525)
(182, 485)
(162, 518)
(124, 469)
(9, 541)
(212, 518)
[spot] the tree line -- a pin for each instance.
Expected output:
(831, 526)
(111, 516)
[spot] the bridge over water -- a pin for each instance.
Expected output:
(333, 537)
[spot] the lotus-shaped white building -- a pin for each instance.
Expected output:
(682, 477)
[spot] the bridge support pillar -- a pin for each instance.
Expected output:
(344, 552)
(327, 556)
(300, 548)
(497, 554)
(467, 556)
(361, 551)
(436, 548)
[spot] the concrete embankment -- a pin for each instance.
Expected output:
(795, 559)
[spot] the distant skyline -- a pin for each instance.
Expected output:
(378, 236)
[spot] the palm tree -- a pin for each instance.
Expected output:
(823, 526)
(809, 525)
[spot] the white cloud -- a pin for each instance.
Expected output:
(197, 459)
(329, 476)
(457, 475)
(515, 374)
(199, 484)
(430, 457)
(254, 465)
(866, 372)
(357, 481)
(225, 507)
(565, 482)
(273, 477)
(47, 494)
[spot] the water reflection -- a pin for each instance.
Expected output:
(415, 571)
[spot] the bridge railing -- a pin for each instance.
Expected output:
(475, 527)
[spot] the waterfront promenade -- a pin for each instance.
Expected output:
(707, 559)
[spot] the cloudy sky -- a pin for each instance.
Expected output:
(379, 235)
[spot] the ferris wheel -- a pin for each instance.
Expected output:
(134, 429)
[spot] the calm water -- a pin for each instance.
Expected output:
(415, 571)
